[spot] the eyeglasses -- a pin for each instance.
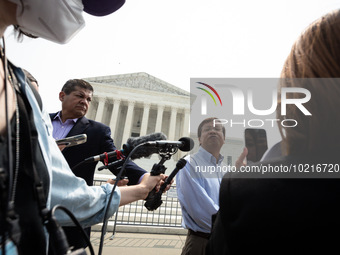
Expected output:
(210, 128)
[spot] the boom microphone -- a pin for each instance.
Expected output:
(184, 143)
(144, 151)
(132, 142)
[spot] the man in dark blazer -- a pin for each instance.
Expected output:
(76, 96)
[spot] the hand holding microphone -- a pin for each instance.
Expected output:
(150, 182)
(166, 149)
(145, 146)
(154, 199)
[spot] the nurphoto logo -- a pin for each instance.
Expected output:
(254, 101)
(204, 98)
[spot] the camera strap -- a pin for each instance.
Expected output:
(9, 219)
(28, 122)
(10, 172)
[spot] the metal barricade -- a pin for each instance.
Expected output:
(169, 214)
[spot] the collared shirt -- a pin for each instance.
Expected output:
(198, 191)
(60, 129)
(88, 204)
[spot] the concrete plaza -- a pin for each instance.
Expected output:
(138, 244)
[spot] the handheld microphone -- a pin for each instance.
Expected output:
(113, 165)
(154, 199)
(184, 143)
(131, 143)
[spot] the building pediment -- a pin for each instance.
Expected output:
(141, 81)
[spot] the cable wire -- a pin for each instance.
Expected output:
(105, 221)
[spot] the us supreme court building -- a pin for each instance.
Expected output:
(138, 104)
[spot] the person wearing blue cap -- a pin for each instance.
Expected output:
(34, 175)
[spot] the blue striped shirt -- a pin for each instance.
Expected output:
(60, 129)
(198, 192)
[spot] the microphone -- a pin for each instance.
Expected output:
(115, 165)
(154, 199)
(144, 151)
(132, 142)
(184, 143)
(104, 155)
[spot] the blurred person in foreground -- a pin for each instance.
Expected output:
(34, 175)
(32, 80)
(198, 190)
(298, 214)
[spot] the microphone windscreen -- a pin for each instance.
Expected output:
(188, 144)
(145, 151)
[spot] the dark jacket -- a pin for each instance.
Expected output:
(98, 141)
(278, 216)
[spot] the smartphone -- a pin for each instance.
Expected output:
(72, 140)
(256, 143)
